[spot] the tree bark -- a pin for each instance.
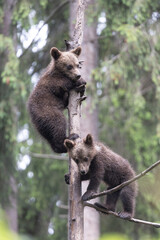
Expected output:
(75, 220)
(7, 20)
(5, 29)
(11, 209)
(90, 118)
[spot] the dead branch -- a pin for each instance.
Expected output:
(127, 182)
(78, 28)
(51, 156)
(63, 206)
(105, 211)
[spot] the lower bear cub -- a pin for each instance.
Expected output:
(97, 162)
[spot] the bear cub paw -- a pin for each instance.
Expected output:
(67, 178)
(73, 136)
(87, 195)
(125, 215)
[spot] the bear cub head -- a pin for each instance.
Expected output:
(67, 63)
(82, 152)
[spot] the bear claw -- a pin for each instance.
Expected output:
(86, 196)
(67, 178)
(124, 215)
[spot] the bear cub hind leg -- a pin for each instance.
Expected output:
(111, 200)
(127, 196)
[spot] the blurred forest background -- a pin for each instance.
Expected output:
(124, 90)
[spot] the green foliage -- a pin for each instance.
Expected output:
(1, 15)
(37, 194)
(43, 3)
(130, 32)
(127, 86)
(113, 236)
(6, 234)
(10, 72)
(21, 14)
(60, 226)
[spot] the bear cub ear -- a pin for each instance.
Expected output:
(88, 140)
(55, 53)
(77, 51)
(69, 144)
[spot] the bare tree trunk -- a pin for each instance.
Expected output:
(90, 117)
(90, 56)
(75, 219)
(5, 29)
(11, 209)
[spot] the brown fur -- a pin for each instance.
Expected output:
(50, 97)
(97, 162)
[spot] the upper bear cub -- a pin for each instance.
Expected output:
(50, 96)
(97, 162)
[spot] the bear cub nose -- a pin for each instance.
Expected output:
(78, 77)
(83, 172)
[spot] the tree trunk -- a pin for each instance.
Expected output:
(11, 208)
(75, 218)
(89, 120)
(90, 56)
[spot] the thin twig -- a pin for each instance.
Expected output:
(45, 22)
(157, 225)
(63, 206)
(127, 182)
(51, 156)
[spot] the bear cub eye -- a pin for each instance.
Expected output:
(76, 160)
(69, 67)
(86, 159)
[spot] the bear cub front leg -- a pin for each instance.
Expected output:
(80, 86)
(92, 188)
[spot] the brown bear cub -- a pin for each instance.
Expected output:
(50, 97)
(97, 162)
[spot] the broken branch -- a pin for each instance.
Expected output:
(51, 156)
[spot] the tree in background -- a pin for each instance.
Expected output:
(89, 119)
(127, 85)
(10, 86)
(17, 18)
(41, 183)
